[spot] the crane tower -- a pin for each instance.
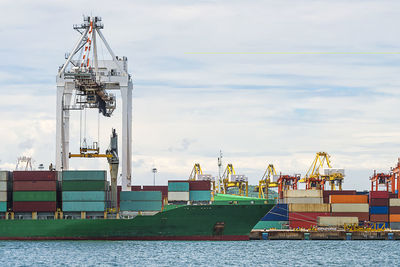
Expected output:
(84, 81)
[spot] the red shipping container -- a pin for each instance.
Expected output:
(35, 175)
(327, 193)
(301, 224)
(162, 188)
(393, 195)
(379, 218)
(35, 186)
(362, 216)
(378, 194)
(306, 216)
(326, 200)
(136, 188)
(379, 202)
(394, 210)
(29, 206)
(199, 185)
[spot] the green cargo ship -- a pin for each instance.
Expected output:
(190, 222)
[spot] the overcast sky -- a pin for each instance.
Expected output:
(264, 81)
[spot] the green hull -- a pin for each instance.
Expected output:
(202, 222)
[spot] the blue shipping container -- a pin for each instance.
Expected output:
(84, 175)
(84, 196)
(3, 206)
(280, 212)
(84, 206)
(140, 195)
(378, 210)
(200, 195)
(178, 186)
(140, 205)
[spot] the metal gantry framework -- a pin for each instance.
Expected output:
(382, 179)
(197, 175)
(231, 180)
(395, 179)
(267, 181)
(83, 82)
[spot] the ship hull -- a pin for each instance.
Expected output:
(205, 222)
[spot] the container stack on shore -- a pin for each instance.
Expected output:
(379, 207)
(84, 191)
(394, 213)
(34, 191)
(352, 205)
(4, 179)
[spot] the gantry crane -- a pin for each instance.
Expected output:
(287, 182)
(230, 179)
(84, 82)
(379, 179)
(197, 175)
(267, 181)
(396, 178)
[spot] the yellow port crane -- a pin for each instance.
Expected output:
(267, 181)
(197, 175)
(231, 179)
(314, 179)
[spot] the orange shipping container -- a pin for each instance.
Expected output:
(394, 217)
(348, 199)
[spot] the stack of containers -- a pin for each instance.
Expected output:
(277, 217)
(200, 191)
(327, 193)
(84, 191)
(306, 215)
(34, 191)
(394, 213)
(379, 207)
(178, 192)
(302, 196)
(141, 201)
(4, 176)
(350, 206)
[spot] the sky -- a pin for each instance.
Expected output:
(263, 81)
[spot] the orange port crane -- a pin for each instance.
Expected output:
(379, 179)
(396, 178)
(287, 182)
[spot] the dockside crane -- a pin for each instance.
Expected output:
(231, 180)
(197, 175)
(267, 181)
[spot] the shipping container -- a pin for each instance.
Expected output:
(83, 206)
(140, 195)
(355, 207)
(96, 196)
(4, 175)
(178, 196)
(309, 208)
(378, 194)
(327, 193)
(348, 199)
(3, 185)
(271, 225)
(3, 196)
(302, 200)
(301, 193)
(362, 216)
(178, 186)
(35, 186)
(35, 175)
(147, 205)
(378, 210)
(394, 202)
(379, 202)
(3, 206)
(199, 185)
(34, 196)
(394, 210)
(379, 217)
(306, 216)
(30, 206)
(393, 195)
(394, 217)
(84, 185)
(162, 188)
(302, 224)
(336, 221)
(278, 213)
(84, 175)
(136, 188)
(200, 195)
(395, 225)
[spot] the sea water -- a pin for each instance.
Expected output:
(205, 253)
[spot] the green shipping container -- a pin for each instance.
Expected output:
(178, 186)
(84, 196)
(272, 224)
(84, 206)
(84, 185)
(140, 195)
(3, 206)
(140, 205)
(34, 196)
(200, 195)
(84, 175)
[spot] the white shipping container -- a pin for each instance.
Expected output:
(178, 196)
(309, 207)
(3, 175)
(3, 196)
(394, 202)
(302, 200)
(336, 221)
(350, 207)
(302, 193)
(3, 185)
